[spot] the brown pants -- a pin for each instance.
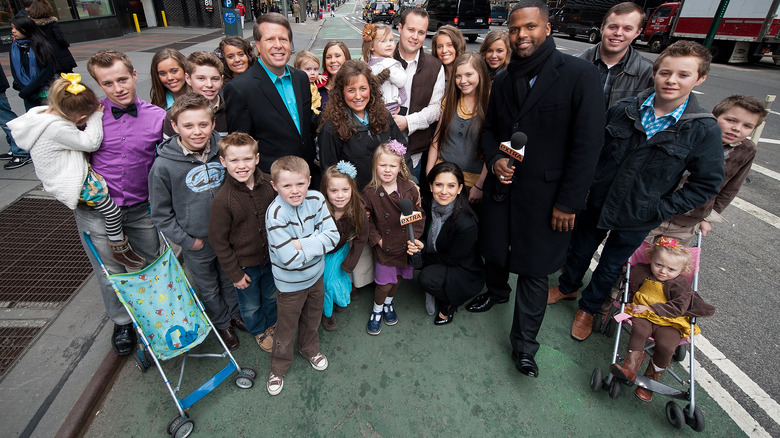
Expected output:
(300, 310)
(666, 340)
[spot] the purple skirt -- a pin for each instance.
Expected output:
(389, 274)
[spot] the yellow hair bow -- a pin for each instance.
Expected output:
(74, 78)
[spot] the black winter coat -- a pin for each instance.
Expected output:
(636, 179)
(563, 117)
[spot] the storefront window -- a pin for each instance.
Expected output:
(93, 8)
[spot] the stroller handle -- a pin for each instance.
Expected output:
(92, 248)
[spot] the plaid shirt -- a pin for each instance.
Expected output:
(653, 124)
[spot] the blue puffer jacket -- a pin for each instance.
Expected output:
(635, 182)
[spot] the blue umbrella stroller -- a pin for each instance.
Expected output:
(619, 319)
(170, 321)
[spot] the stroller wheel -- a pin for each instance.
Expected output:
(175, 422)
(696, 421)
(611, 327)
(249, 371)
(614, 389)
(675, 415)
(598, 323)
(595, 379)
(244, 381)
(184, 429)
(680, 352)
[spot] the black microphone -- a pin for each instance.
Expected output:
(515, 152)
(408, 217)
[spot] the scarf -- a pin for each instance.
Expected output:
(25, 73)
(522, 70)
(439, 215)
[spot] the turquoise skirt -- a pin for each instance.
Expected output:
(337, 283)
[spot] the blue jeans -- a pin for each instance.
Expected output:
(584, 243)
(6, 115)
(257, 303)
(137, 226)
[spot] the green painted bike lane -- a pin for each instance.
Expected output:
(343, 28)
(414, 379)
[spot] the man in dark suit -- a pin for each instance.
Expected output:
(556, 100)
(272, 101)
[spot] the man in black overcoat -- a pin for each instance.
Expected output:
(556, 100)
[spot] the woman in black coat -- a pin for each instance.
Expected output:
(42, 13)
(452, 268)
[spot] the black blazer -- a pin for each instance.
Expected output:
(254, 106)
(563, 117)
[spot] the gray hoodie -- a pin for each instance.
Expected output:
(181, 189)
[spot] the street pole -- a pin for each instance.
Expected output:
(719, 13)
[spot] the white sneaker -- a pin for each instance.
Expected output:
(274, 384)
(318, 362)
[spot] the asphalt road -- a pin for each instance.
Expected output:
(739, 260)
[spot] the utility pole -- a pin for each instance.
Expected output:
(719, 13)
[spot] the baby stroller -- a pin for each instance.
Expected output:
(612, 324)
(170, 321)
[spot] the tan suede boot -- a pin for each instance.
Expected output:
(125, 256)
(628, 370)
(644, 394)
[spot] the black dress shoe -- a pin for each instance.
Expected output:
(238, 323)
(123, 339)
(527, 365)
(448, 319)
(229, 336)
(484, 302)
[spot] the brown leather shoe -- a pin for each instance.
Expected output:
(630, 366)
(554, 295)
(582, 326)
(645, 394)
(329, 323)
(229, 337)
(238, 323)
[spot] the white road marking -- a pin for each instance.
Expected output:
(769, 140)
(764, 171)
(732, 407)
(775, 113)
(755, 392)
(697, 92)
(757, 212)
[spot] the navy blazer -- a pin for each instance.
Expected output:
(254, 106)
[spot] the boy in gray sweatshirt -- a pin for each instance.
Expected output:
(183, 180)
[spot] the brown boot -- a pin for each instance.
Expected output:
(125, 256)
(644, 394)
(329, 323)
(554, 295)
(630, 366)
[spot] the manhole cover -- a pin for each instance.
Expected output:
(42, 262)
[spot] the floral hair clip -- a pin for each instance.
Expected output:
(667, 242)
(369, 32)
(347, 168)
(396, 147)
(74, 78)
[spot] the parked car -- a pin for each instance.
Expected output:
(472, 17)
(381, 11)
(498, 14)
(581, 17)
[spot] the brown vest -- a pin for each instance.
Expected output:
(428, 67)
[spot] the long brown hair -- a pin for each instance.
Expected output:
(239, 43)
(341, 46)
(453, 94)
(158, 89)
(458, 42)
(354, 210)
(339, 113)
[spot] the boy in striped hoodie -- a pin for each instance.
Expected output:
(300, 232)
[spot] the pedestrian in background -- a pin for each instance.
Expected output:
(32, 62)
(7, 114)
(42, 13)
(296, 12)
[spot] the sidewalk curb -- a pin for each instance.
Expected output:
(82, 413)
